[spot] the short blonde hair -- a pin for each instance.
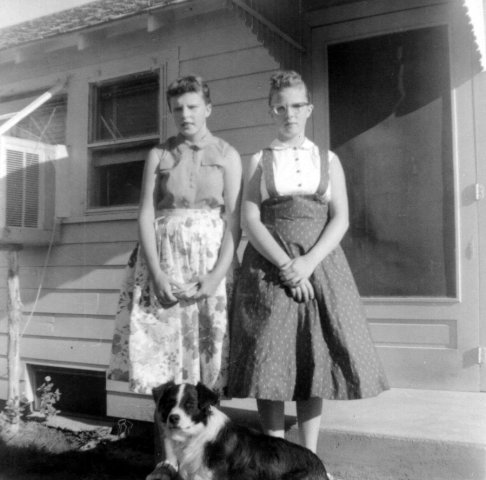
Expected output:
(286, 79)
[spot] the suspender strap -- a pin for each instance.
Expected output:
(267, 170)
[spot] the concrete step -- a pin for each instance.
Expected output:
(402, 434)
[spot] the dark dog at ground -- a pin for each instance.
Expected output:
(209, 446)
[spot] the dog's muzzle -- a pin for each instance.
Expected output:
(173, 420)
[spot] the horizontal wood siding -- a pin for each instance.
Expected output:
(69, 305)
(70, 298)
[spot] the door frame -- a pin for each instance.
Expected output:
(479, 92)
(463, 310)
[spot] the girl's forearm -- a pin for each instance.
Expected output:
(263, 241)
(231, 239)
(146, 231)
(330, 238)
(339, 216)
(232, 203)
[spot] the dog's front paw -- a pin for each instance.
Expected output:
(163, 471)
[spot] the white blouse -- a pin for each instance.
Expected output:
(296, 170)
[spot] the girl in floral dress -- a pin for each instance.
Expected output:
(172, 315)
(299, 332)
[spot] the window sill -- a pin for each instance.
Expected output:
(126, 142)
(114, 214)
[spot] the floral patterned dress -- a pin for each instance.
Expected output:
(187, 342)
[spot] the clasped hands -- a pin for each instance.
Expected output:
(295, 276)
(169, 292)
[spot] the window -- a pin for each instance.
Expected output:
(124, 126)
(82, 391)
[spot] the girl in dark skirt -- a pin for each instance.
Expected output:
(299, 331)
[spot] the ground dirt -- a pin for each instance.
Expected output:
(40, 452)
(123, 451)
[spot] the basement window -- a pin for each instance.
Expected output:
(124, 126)
(82, 391)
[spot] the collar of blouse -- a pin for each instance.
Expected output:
(208, 139)
(278, 145)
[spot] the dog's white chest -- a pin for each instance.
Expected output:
(201, 474)
(190, 454)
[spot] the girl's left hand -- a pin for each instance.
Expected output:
(297, 270)
(304, 292)
(207, 286)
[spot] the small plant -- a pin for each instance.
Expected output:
(48, 398)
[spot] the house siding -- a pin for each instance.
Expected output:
(70, 321)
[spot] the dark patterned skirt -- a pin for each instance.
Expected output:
(285, 350)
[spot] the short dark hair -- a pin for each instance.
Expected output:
(188, 84)
(286, 79)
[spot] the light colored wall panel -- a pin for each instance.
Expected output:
(239, 89)
(83, 254)
(90, 303)
(240, 115)
(229, 65)
(3, 367)
(213, 37)
(66, 351)
(412, 333)
(81, 327)
(70, 277)
(3, 344)
(248, 140)
(99, 232)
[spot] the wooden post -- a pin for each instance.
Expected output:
(14, 308)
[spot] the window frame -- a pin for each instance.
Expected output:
(95, 146)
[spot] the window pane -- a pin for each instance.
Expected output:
(390, 114)
(118, 175)
(128, 108)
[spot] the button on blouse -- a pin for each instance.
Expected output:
(296, 170)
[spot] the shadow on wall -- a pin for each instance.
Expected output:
(34, 192)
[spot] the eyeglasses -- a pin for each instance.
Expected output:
(282, 109)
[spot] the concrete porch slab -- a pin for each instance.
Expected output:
(401, 434)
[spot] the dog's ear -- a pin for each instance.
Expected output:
(157, 392)
(205, 396)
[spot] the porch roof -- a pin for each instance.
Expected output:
(276, 22)
(94, 13)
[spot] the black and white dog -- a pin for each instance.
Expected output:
(209, 446)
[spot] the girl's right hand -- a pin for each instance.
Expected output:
(296, 271)
(163, 289)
